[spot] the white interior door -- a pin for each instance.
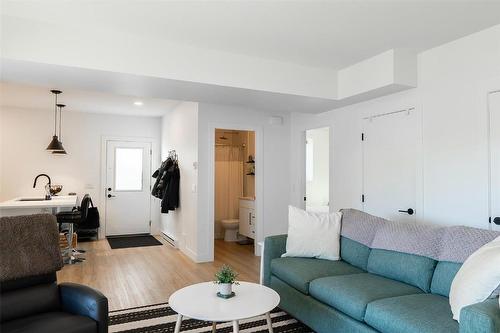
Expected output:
(128, 180)
(317, 197)
(389, 165)
(494, 111)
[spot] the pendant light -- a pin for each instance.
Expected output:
(60, 151)
(55, 144)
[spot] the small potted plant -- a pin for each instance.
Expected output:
(225, 278)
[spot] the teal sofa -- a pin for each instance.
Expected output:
(392, 278)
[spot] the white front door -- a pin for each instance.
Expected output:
(128, 180)
(494, 111)
(389, 165)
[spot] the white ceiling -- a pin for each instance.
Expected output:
(39, 97)
(330, 34)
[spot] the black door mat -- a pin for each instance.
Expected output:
(132, 241)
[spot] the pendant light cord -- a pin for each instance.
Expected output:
(60, 122)
(55, 117)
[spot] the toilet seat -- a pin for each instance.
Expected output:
(230, 222)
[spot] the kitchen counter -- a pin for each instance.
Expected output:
(18, 207)
(56, 201)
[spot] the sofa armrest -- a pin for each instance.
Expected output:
(481, 317)
(85, 301)
(274, 247)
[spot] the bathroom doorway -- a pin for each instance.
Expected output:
(234, 190)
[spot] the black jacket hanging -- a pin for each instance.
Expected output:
(166, 186)
(170, 200)
(160, 175)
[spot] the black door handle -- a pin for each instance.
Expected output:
(111, 196)
(496, 220)
(408, 211)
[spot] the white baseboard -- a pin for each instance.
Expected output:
(169, 240)
(190, 253)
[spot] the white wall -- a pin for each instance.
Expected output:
(179, 131)
(189, 129)
(272, 170)
(345, 147)
(455, 127)
(453, 161)
(26, 132)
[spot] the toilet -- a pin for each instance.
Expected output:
(231, 227)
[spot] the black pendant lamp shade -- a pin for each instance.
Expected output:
(55, 144)
(61, 151)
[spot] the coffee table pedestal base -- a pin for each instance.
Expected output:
(236, 326)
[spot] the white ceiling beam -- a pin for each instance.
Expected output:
(99, 49)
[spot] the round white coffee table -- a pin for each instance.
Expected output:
(199, 301)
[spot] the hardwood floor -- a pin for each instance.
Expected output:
(148, 275)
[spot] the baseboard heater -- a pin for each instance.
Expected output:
(169, 239)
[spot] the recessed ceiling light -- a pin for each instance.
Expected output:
(138, 103)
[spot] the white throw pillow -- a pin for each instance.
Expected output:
(313, 235)
(478, 277)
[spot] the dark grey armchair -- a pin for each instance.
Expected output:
(30, 298)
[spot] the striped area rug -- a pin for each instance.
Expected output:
(160, 318)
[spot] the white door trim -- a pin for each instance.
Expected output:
(102, 188)
(259, 181)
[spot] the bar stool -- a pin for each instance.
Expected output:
(72, 219)
(69, 219)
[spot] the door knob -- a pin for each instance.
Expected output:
(111, 196)
(496, 220)
(408, 211)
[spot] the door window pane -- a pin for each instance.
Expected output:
(128, 169)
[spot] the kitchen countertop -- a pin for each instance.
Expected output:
(56, 201)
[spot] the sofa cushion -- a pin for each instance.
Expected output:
(318, 316)
(313, 235)
(404, 267)
(480, 317)
(352, 293)
(412, 314)
(50, 322)
(443, 276)
(298, 272)
(354, 253)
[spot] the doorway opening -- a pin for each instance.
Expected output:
(234, 191)
(317, 197)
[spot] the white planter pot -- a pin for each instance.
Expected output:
(225, 288)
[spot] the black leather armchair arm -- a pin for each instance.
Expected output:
(85, 301)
